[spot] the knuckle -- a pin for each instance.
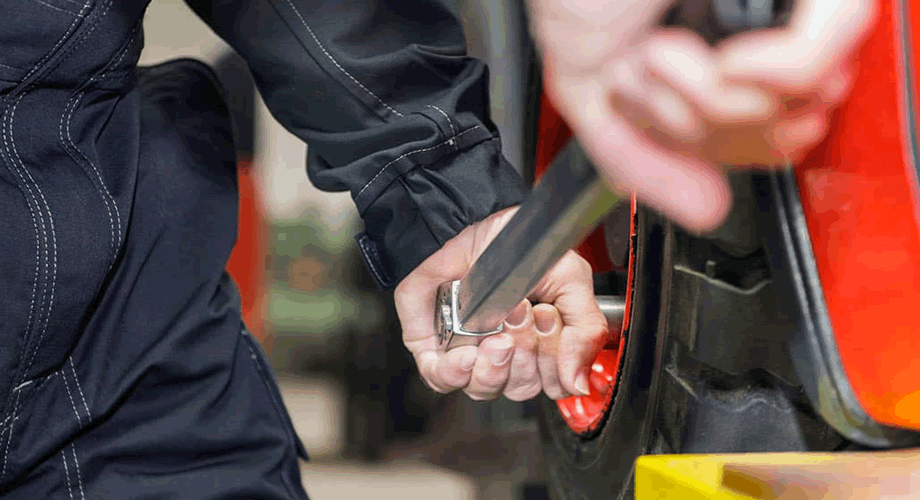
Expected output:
(576, 263)
(454, 376)
(599, 331)
(488, 385)
(436, 382)
(525, 392)
(490, 379)
(583, 265)
(436, 388)
(449, 386)
(554, 392)
(481, 396)
(591, 334)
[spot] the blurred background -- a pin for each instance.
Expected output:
(367, 420)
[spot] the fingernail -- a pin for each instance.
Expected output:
(581, 382)
(468, 359)
(517, 316)
(545, 323)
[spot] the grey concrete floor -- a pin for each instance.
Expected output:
(317, 407)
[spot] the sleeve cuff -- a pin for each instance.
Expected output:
(430, 203)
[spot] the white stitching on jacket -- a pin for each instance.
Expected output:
(76, 462)
(69, 108)
(20, 386)
(67, 474)
(450, 122)
(41, 335)
(400, 157)
(372, 257)
(9, 123)
(337, 65)
(79, 388)
(35, 224)
(73, 449)
(53, 259)
(54, 7)
(7, 140)
(106, 195)
(70, 397)
(64, 37)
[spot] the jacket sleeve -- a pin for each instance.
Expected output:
(392, 110)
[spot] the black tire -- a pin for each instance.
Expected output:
(706, 367)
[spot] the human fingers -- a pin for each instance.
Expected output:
(701, 74)
(796, 137)
(416, 295)
(584, 327)
(796, 57)
(639, 95)
(569, 287)
(827, 93)
(688, 190)
(448, 371)
(770, 143)
(415, 299)
(549, 328)
(524, 379)
(492, 368)
(682, 60)
(415, 303)
(598, 29)
(797, 124)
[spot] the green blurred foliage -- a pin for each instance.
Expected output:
(317, 293)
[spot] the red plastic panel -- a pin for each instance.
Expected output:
(247, 261)
(584, 413)
(858, 191)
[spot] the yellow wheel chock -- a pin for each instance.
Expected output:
(890, 475)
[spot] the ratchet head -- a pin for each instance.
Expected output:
(447, 320)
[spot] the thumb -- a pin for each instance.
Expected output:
(689, 191)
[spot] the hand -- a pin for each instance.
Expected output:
(546, 347)
(662, 113)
